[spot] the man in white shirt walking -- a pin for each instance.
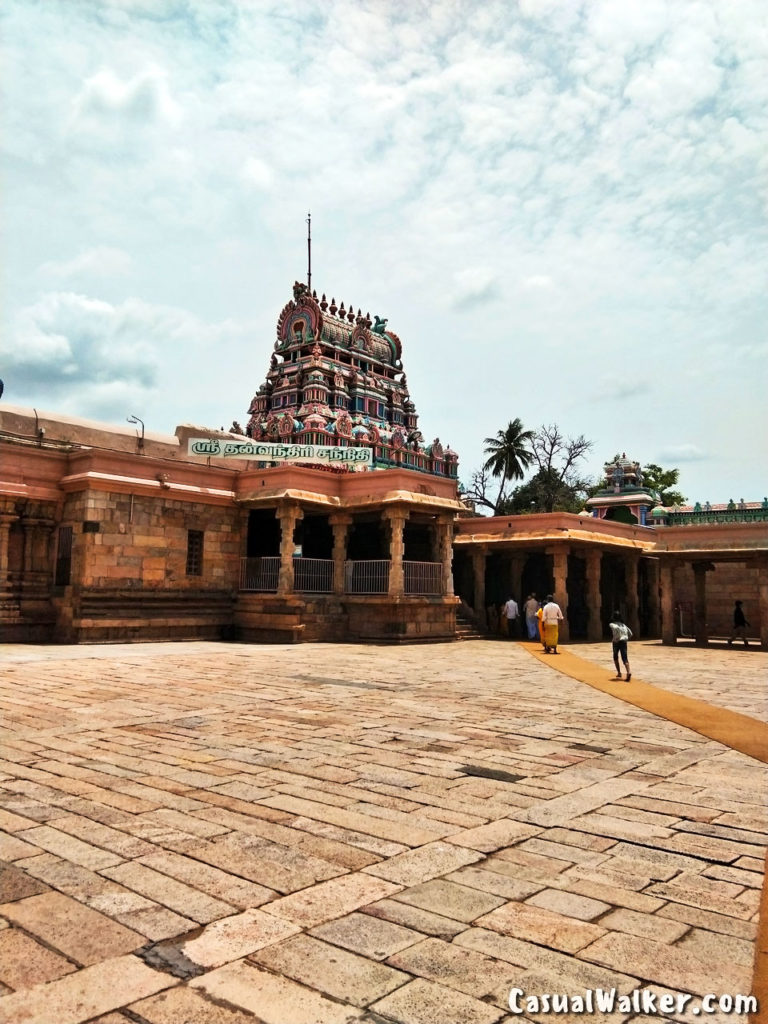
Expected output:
(551, 616)
(620, 635)
(511, 612)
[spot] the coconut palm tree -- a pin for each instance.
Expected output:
(509, 454)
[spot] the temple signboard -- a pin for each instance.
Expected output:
(261, 451)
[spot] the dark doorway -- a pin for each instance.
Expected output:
(316, 537)
(644, 584)
(621, 514)
(366, 541)
(613, 588)
(463, 580)
(537, 575)
(417, 541)
(263, 534)
(495, 580)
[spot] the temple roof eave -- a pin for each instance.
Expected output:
(286, 494)
(527, 538)
(626, 498)
(330, 501)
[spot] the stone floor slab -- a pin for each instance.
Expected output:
(79, 997)
(335, 972)
(270, 998)
(75, 930)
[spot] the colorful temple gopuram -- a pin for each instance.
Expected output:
(336, 378)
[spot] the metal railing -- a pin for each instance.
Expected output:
(367, 577)
(750, 515)
(259, 574)
(423, 578)
(313, 575)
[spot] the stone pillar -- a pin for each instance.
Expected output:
(340, 524)
(762, 589)
(631, 566)
(29, 526)
(560, 573)
(288, 516)
(5, 531)
(478, 572)
(700, 630)
(46, 546)
(445, 553)
(652, 577)
(668, 624)
(594, 562)
(396, 518)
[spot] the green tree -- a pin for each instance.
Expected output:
(556, 484)
(509, 455)
(545, 492)
(655, 478)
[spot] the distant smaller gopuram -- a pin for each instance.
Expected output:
(623, 498)
(336, 378)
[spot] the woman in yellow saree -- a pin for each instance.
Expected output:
(539, 614)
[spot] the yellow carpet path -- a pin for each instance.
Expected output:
(734, 730)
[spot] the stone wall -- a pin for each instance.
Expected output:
(267, 618)
(129, 577)
(405, 619)
(726, 583)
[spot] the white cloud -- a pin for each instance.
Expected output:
(66, 339)
(682, 453)
(619, 387)
(143, 99)
(102, 261)
(475, 285)
(257, 173)
(537, 283)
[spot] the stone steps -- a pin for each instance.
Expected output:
(466, 629)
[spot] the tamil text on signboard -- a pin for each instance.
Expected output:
(260, 451)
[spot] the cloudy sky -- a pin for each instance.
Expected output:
(558, 204)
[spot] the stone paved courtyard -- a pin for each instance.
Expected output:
(212, 834)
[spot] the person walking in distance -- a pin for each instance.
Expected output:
(739, 624)
(510, 611)
(530, 608)
(551, 616)
(621, 634)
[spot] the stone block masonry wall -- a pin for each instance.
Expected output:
(129, 575)
(728, 581)
(142, 541)
(403, 620)
(267, 618)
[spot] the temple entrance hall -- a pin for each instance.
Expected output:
(591, 566)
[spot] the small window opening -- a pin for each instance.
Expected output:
(194, 552)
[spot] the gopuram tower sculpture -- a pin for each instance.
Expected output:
(336, 378)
